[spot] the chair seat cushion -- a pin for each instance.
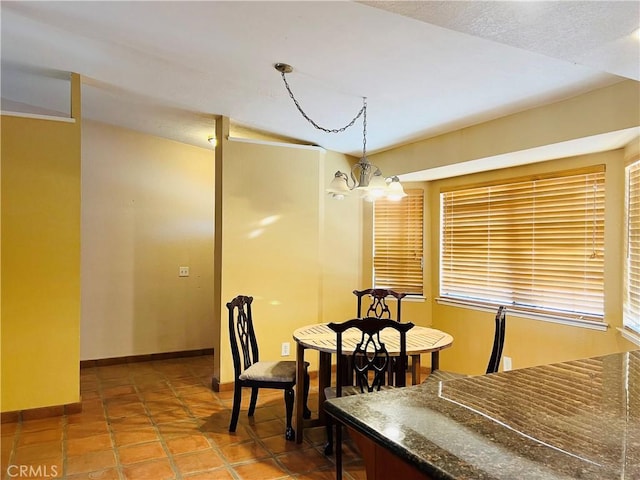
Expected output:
(283, 371)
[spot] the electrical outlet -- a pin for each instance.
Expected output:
(506, 364)
(285, 349)
(183, 272)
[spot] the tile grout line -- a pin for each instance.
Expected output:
(182, 386)
(253, 436)
(227, 465)
(107, 418)
(163, 443)
(14, 448)
(212, 443)
(143, 401)
(64, 446)
(307, 445)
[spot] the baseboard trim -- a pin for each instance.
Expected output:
(41, 412)
(105, 362)
(72, 408)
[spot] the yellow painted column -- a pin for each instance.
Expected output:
(40, 287)
(222, 137)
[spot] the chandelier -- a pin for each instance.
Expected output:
(364, 176)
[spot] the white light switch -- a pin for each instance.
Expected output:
(183, 272)
(285, 349)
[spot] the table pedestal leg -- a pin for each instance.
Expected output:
(415, 369)
(435, 360)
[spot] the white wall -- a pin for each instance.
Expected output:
(147, 208)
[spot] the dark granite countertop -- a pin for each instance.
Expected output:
(572, 420)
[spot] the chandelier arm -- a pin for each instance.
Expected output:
(356, 181)
(364, 168)
(363, 110)
(346, 180)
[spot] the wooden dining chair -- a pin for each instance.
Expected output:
(370, 362)
(379, 308)
(253, 373)
(496, 352)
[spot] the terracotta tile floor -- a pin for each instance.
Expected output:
(160, 420)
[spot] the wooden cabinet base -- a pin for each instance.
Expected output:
(381, 464)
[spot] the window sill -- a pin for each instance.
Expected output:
(512, 310)
(630, 335)
(414, 298)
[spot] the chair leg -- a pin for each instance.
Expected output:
(338, 451)
(392, 373)
(254, 399)
(306, 413)
(290, 434)
(328, 448)
(235, 412)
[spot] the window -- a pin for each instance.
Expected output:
(398, 243)
(631, 309)
(535, 244)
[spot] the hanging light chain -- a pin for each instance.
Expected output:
(364, 127)
(363, 111)
(370, 179)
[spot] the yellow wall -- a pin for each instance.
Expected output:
(528, 342)
(276, 238)
(533, 342)
(301, 269)
(147, 209)
(41, 260)
(601, 111)
(341, 245)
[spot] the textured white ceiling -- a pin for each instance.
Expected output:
(597, 34)
(167, 68)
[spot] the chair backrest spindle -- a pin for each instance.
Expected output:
(378, 307)
(243, 338)
(498, 340)
(370, 358)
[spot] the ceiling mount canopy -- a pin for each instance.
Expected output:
(283, 68)
(364, 176)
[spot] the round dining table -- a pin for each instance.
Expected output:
(321, 338)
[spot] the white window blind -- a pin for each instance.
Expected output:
(398, 243)
(535, 243)
(631, 309)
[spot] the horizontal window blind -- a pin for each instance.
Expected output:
(398, 243)
(631, 310)
(533, 243)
